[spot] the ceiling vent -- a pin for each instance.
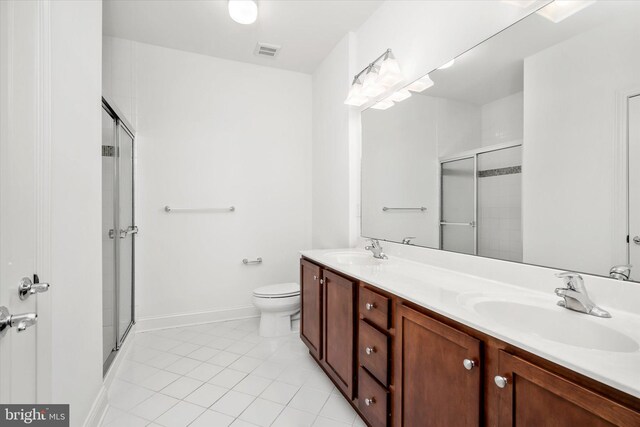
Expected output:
(266, 50)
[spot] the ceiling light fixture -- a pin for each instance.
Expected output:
(400, 95)
(243, 11)
(421, 84)
(447, 65)
(559, 10)
(383, 105)
(378, 79)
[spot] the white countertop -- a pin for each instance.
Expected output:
(454, 295)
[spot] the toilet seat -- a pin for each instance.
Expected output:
(281, 290)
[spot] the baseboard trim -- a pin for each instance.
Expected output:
(98, 409)
(152, 323)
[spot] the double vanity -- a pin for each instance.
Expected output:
(410, 344)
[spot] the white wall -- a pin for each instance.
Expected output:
(119, 76)
(216, 133)
(568, 186)
(76, 202)
(334, 158)
(502, 120)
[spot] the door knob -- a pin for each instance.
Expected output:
(501, 381)
(636, 240)
(28, 287)
(468, 364)
(19, 321)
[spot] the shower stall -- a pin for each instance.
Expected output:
(481, 202)
(118, 231)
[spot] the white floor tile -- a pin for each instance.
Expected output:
(295, 376)
(163, 360)
(181, 415)
(204, 372)
(233, 403)
(126, 398)
(184, 349)
(212, 419)
(128, 420)
(221, 343)
(159, 380)
(309, 399)
(270, 369)
(291, 417)
(135, 372)
(223, 358)
(359, 423)
(240, 347)
(328, 422)
(338, 409)
(206, 395)
(181, 387)
(203, 353)
(241, 423)
(246, 364)
(262, 412)
(228, 378)
(201, 339)
(319, 380)
(182, 366)
(280, 392)
(253, 385)
(155, 406)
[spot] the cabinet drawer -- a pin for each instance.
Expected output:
(373, 351)
(373, 400)
(374, 307)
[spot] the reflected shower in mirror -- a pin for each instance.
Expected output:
(523, 149)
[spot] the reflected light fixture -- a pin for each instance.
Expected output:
(447, 65)
(421, 84)
(399, 95)
(559, 10)
(383, 105)
(374, 80)
(243, 11)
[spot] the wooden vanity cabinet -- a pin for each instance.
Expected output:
(311, 294)
(423, 369)
(439, 373)
(532, 396)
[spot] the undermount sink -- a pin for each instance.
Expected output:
(554, 323)
(353, 258)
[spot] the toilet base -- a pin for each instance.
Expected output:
(275, 324)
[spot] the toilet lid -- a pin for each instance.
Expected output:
(279, 290)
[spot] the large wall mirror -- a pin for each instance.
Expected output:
(526, 148)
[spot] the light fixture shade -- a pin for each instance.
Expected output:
(559, 10)
(421, 84)
(390, 73)
(383, 105)
(355, 97)
(243, 11)
(371, 85)
(399, 95)
(447, 65)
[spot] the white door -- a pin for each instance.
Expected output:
(21, 178)
(634, 186)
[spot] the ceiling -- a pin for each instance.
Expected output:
(307, 30)
(494, 69)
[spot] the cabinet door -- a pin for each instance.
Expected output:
(339, 326)
(435, 387)
(311, 319)
(532, 396)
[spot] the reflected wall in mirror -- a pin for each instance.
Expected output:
(526, 148)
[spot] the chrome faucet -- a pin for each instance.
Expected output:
(407, 240)
(376, 249)
(620, 272)
(575, 296)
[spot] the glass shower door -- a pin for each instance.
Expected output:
(127, 230)
(458, 206)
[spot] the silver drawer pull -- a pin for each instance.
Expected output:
(370, 401)
(257, 261)
(501, 381)
(370, 306)
(468, 364)
(315, 277)
(370, 350)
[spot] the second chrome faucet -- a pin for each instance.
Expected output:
(376, 249)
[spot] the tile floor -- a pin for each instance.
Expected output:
(223, 374)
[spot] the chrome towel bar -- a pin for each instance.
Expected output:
(421, 209)
(170, 209)
(257, 261)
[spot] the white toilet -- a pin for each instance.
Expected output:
(277, 305)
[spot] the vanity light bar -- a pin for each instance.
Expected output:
(374, 80)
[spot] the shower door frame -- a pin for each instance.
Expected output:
(470, 154)
(119, 122)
